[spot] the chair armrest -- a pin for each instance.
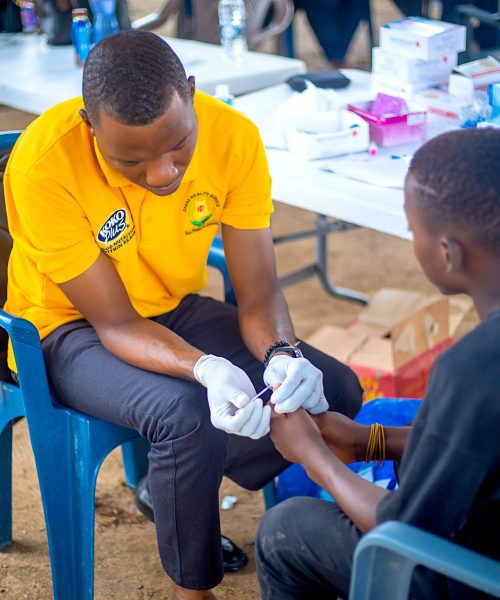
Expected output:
(386, 556)
(467, 11)
(159, 17)
(283, 13)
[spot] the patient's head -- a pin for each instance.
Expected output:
(452, 202)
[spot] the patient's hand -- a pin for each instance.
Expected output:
(297, 437)
(345, 438)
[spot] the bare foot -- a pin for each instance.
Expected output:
(180, 593)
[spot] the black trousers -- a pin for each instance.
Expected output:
(304, 550)
(188, 455)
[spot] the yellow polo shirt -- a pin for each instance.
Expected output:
(65, 205)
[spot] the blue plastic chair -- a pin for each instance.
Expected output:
(385, 558)
(69, 448)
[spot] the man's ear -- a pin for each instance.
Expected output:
(453, 254)
(192, 86)
(85, 117)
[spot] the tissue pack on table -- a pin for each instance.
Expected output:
(326, 134)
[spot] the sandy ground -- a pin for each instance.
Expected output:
(126, 563)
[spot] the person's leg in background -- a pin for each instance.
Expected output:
(334, 23)
(410, 8)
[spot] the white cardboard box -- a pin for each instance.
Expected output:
(326, 134)
(442, 103)
(405, 69)
(426, 39)
(400, 89)
(481, 73)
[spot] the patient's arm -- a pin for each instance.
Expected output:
(299, 440)
(348, 439)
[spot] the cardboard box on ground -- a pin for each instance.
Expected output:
(395, 339)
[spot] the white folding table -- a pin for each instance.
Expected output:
(34, 76)
(303, 184)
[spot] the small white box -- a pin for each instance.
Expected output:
(441, 103)
(406, 69)
(400, 89)
(422, 38)
(481, 72)
(327, 134)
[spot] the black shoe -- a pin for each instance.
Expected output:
(233, 557)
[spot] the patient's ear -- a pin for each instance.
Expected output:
(453, 254)
(86, 120)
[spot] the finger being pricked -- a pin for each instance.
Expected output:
(299, 419)
(295, 435)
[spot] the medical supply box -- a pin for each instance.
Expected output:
(395, 340)
(422, 38)
(408, 69)
(326, 134)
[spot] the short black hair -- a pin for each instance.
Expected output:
(457, 177)
(132, 76)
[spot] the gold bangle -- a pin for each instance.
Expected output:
(375, 448)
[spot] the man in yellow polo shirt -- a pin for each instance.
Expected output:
(113, 202)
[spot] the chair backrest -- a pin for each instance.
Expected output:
(265, 19)
(7, 141)
(385, 558)
(469, 16)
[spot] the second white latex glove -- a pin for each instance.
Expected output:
(229, 393)
(300, 385)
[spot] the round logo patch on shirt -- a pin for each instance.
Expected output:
(114, 226)
(200, 210)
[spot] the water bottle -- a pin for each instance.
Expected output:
(223, 94)
(80, 34)
(104, 20)
(232, 28)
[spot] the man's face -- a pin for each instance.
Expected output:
(427, 245)
(153, 156)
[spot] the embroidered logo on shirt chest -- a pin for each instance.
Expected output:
(199, 209)
(116, 231)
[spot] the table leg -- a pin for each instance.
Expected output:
(320, 267)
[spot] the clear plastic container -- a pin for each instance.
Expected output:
(232, 20)
(392, 129)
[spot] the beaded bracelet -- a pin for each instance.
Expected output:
(281, 345)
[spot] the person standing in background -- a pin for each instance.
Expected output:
(334, 23)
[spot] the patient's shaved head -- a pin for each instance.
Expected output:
(132, 76)
(456, 182)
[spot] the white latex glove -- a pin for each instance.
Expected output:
(300, 385)
(229, 391)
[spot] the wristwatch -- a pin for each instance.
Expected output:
(281, 346)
